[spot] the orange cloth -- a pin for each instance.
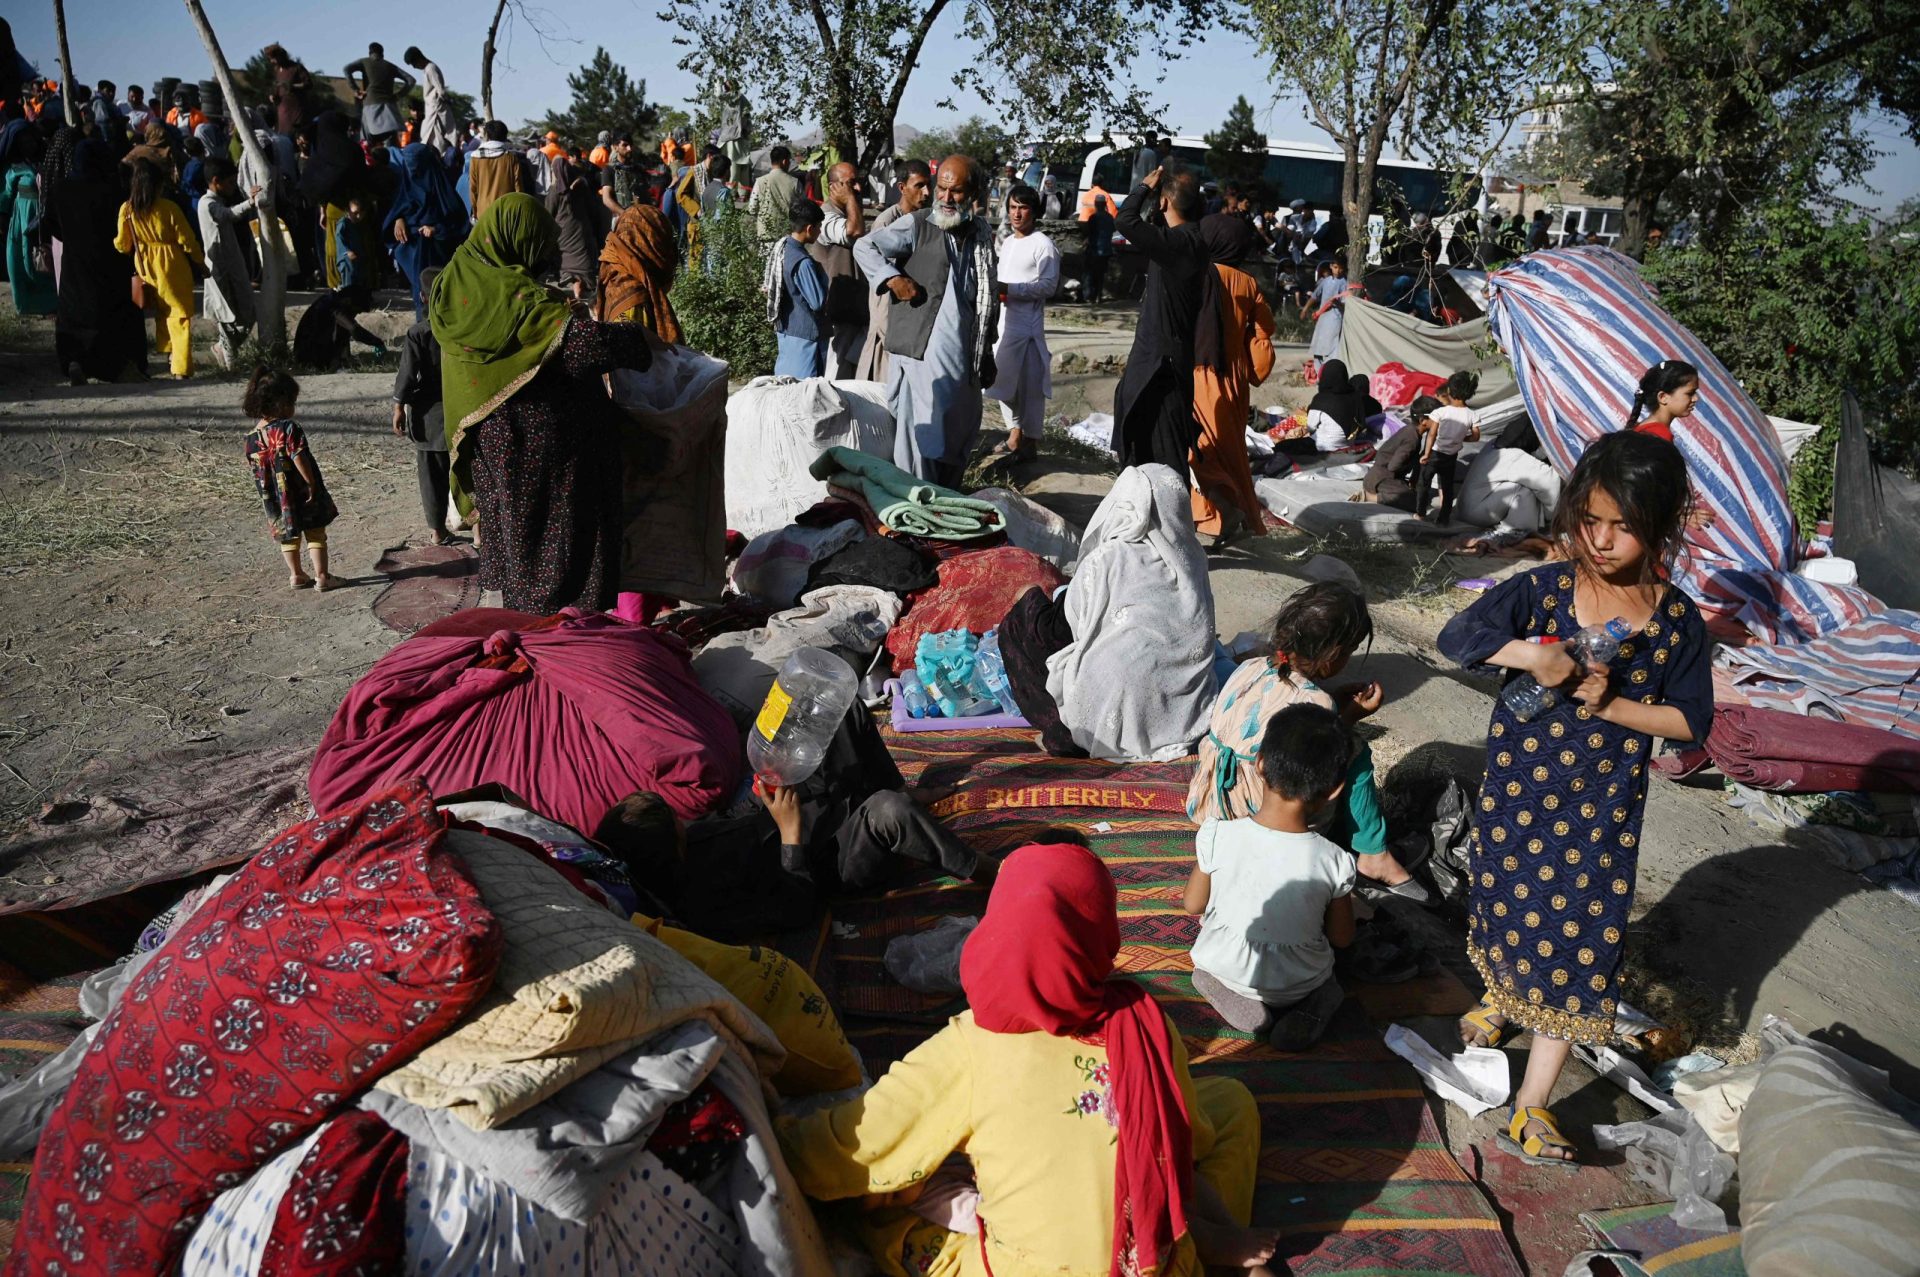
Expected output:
(598, 157)
(553, 150)
(1222, 476)
(1090, 199)
(636, 272)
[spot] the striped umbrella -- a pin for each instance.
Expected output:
(1581, 327)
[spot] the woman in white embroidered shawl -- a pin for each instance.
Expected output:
(1137, 682)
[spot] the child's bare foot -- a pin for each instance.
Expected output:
(1230, 1246)
(299, 581)
(328, 581)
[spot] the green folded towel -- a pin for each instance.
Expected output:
(906, 504)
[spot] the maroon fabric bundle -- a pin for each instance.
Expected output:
(344, 1214)
(573, 713)
(1792, 753)
(976, 590)
(342, 948)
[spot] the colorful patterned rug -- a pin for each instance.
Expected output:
(1644, 1240)
(1352, 1165)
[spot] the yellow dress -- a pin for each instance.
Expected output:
(161, 244)
(1030, 1111)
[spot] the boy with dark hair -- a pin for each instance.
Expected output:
(796, 291)
(417, 416)
(1275, 898)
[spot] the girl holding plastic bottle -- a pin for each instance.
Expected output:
(1559, 813)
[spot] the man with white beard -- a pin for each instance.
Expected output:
(940, 273)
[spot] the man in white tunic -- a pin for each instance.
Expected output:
(439, 126)
(1029, 275)
(223, 230)
(942, 319)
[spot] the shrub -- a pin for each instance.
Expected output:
(717, 295)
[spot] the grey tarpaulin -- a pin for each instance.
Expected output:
(1375, 335)
(1876, 515)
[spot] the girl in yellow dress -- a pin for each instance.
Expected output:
(163, 246)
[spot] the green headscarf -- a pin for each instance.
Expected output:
(496, 324)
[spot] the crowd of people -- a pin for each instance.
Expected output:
(503, 391)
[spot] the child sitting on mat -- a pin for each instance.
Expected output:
(1275, 898)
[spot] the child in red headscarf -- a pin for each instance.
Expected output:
(1068, 1091)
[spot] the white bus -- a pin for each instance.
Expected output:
(1294, 170)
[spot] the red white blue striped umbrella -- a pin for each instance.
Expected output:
(1581, 327)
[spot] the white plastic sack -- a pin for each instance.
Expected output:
(674, 484)
(1096, 431)
(777, 426)
(1034, 528)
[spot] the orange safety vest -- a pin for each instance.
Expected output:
(1089, 200)
(598, 156)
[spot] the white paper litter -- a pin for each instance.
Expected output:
(1626, 1075)
(1476, 1080)
(1095, 430)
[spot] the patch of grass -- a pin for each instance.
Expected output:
(1056, 442)
(1419, 576)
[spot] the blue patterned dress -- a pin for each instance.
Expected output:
(1558, 836)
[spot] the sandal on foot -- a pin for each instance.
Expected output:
(1532, 1149)
(1407, 889)
(299, 583)
(1480, 1020)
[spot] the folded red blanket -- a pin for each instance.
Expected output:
(1792, 753)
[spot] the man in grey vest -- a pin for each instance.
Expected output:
(939, 269)
(847, 293)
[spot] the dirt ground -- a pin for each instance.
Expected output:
(146, 607)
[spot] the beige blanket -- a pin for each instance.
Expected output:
(577, 986)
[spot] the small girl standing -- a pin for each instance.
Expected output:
(1558, 832)
(1668, 392)
(1447, 429)
(1317, 632)
(291, 488)
(1275, 898)
(1326, 307)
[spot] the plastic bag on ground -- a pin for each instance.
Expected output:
(673, 485)
(930, 961)
(1452, 837)
(1672, 1154)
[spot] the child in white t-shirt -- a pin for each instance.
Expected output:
(1274, 897)
(1447, 429)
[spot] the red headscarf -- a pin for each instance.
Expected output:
(1040, 962)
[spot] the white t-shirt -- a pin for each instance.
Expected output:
(1328, 434)
(1455, 425)
(1264, 934)
(1030, 270)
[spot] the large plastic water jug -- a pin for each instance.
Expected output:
(802, 711)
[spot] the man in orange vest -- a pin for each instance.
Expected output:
(1092, 197)
(602, 151)
(553, 150)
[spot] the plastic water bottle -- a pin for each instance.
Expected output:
(918, 703)
(1526, 699)
(802, 711)
(990, 674)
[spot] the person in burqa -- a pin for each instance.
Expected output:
(97, 330)
(1153, 407)
(1066, 1091)
(425, 221)
(1233, 352)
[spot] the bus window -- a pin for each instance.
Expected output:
(1114, 173)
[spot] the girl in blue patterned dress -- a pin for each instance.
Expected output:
(1559, 820)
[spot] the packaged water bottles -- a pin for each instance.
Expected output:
(990, 674)
(944, 662)
(918, 703)
(802, 711)
(1595, 645)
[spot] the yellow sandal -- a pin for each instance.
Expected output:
(1532, 1149)
(1480, 1019)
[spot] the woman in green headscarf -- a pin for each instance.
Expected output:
(534, 437)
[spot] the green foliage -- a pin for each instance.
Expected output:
(605, 99)
(1810, 478)
(718, 299)
(1442, 78)
(1238, 152)
(1049, 69)
(1800, 308)
(463, 105)
(989, 145)
(1705, 109)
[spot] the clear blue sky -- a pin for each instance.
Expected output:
(139, 41)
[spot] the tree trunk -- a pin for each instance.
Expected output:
(272, 307)
(1637, 216)
(67, 106)
(487, 51)
(1356, 200)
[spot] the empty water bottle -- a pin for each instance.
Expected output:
(803, 710)
(1524, 696)
(914, 696)
(945, 665)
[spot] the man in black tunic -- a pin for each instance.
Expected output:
(1153, 408)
